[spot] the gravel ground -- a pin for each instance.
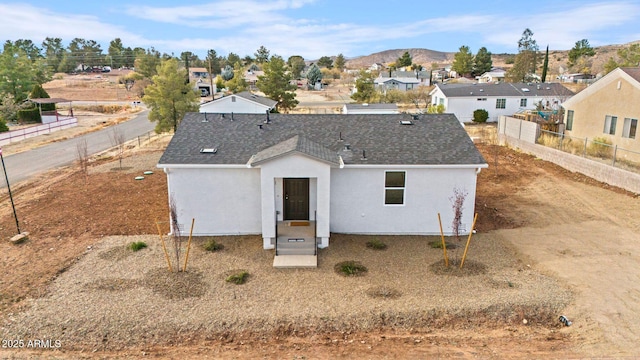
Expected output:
(111, 299)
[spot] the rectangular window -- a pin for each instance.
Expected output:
(610, 124)
(394, 183)
(569, 120)
(482, 99)
(629, 128)
(233, 99)
(501, 103)
(523, 102)
(440, 101)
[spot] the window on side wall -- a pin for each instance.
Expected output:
(629, 128)
(501, 103)
(523, 102)
(610, 124)
(569, 120)
(394, 185)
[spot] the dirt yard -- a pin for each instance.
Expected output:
(550, 223)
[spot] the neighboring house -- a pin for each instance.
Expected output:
(370, 109)
(576, 78)
(377, 67)
(251, 77)
(495, 75)
(403, 84)
(498, 99)
(361, 174)
(609, 108)
(198, 72)
(241, 103)
(423, 76)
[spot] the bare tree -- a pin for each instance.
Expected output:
(176, 236)
(82, 154)
(117, 140)
(457, 203)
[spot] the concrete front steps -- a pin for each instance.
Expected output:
(295, 261)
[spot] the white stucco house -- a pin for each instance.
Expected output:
(397, 83)
(242, 103)
(498, 99)
(370, 109)
(361, 174)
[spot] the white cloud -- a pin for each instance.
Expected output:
(36, 23)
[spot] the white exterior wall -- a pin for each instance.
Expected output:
(357, 201)
(240, 106)
(222, 201)
(294, 166)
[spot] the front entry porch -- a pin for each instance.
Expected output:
(296, 244)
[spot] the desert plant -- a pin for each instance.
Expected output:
(137, 245)
(118, 139)
(457, 203)
(480, 116)
(238, 278)
(376, 244)
(82, 154)
(350, 268)
(600, 147)
(176, 237)
(212, 245)
(437, 244)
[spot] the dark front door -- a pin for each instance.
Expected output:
(296, 199)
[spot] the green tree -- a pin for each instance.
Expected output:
(610, 65)
(237, 83)
(365, 88)
(482, 62)
(227, 73)
(526, 61)
(313, 75)
(247, 60)
(232, 58)
(276, 84)
(29, 48)
(53, 52)
(38, 92)
(213, 62)
(579, 50)
(9, 108)
(435, 109)
(262, 55)
(147, 64)
(169, 98)
(480, 116)
(545, 65)
(116, 53)
(340, 62)
(16, 72)
(404, 60)
(629, 56)
(326, 62)
(296, 65)
(463, 61)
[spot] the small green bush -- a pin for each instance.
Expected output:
(437, 244)
(3, 126)
(238, 278)
(376, 244)
(212, 246)
(136, 246)
(350, 268)
(480, 116)
(29, 115)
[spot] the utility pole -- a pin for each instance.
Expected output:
(210, 80)
(13, 206)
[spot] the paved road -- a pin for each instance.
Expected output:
(26, 164)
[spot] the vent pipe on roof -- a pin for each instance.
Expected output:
(364, 155)
(260, 126)
(267, 120)
(347, 147)
(205, 118)
(221, 116)
(340, 136)
(232, 116)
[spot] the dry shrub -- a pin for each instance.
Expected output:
(175, 285)
(383, 292)
(470, 268)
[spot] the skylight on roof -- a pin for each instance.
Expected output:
(208, 150)
(406, 122)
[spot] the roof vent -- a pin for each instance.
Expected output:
(481, 90)
(208, 151)
(406, 122)
(525, 90)
(548, 88)
(364, 155)
(347, 147)
(260, 126)
(205, 118)
(340, 136)
(414, 116)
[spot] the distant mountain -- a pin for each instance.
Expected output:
(425, 57)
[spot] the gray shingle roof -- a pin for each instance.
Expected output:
(504, 89)
(634, 72)
(298, 144)
(433, 139)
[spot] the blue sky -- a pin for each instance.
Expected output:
(313, 28)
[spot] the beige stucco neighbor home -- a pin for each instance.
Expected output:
(608, 108)
(360, 174)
